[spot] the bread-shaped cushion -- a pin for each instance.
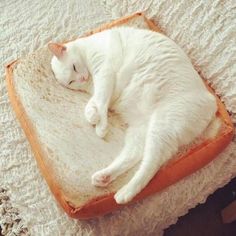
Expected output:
(66, 147)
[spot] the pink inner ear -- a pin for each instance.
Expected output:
(57, 49)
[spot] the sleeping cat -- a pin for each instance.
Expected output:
(146, 78)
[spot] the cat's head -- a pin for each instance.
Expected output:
(68, 66)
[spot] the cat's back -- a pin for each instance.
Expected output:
(154, 67)
(131, 38)
(138, 39)
(134, 34)
(142, 47)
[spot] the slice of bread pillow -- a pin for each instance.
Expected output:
(66, 148)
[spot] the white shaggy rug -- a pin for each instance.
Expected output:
(205, 30)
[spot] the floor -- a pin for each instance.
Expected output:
(205, 219)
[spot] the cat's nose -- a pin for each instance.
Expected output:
(83, 79)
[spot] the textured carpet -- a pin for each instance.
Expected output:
(204, 29)
(205, 219)
(10, 221)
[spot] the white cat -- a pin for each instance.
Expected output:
(148, 79)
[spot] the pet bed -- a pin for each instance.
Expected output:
(66, 148)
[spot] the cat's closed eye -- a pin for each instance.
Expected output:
(72, 81)
(74, 68)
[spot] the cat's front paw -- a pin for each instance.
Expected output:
(91, 113)
(101, 131)
(101, 178)
(124, 195)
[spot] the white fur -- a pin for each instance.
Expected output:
(148, 79)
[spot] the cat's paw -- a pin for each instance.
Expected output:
(91, 113)
(101, 178)
(101, 131)
(124, 195)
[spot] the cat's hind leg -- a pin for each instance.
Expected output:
(159, 147)
(130, 155)
(175, 124)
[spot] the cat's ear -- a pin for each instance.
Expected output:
(57, 49)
